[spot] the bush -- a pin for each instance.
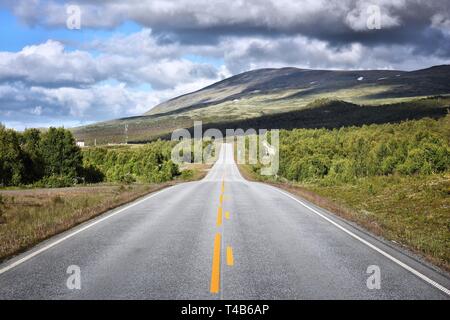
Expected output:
(187, 174)
(33, 157)
(92, 174)
(56, 182)
(128, 178)
(342, 170)
(150, 163)
(52, 159)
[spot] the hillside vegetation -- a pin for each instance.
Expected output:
(146, 164)
(283, 93)
(40, 158)
(292, 87)
(321, 113)
(52, 159)
(393, 179)
(341, 155)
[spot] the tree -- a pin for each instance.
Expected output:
(11, 158)
(60, 154)
(34, 164)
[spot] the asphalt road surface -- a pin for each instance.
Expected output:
(219, 238)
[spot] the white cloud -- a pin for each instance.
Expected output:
(77, 85)
(48, 63)
(132, 59)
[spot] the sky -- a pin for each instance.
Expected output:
(74, 63)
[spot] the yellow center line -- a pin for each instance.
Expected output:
(227, 215)
(221, 198)
(215, 273)
(219, 216)
(230, 259)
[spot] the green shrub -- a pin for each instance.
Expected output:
(56, 182)
(150, 163)
(34, 157)
(187, 174)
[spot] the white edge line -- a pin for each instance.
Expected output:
(54, 243)
(387, 255)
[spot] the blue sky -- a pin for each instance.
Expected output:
(131, 55)
(16, 34)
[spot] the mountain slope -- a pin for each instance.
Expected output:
(266, 92)
(306, 83)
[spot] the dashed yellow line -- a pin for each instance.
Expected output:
(219, 216)
(230, 259)
(215, 273)
(215, 270)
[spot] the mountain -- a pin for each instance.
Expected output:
(279, 92)
(287, 84)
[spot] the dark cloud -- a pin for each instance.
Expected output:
(205, 20)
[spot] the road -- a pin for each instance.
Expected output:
(177, 244)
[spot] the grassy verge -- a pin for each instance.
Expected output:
(29, 216)
(194, 171)
(413, 211)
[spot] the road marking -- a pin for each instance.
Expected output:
(230, 260)
(227, 215)
(219, 216)
(384, 253)
(215, 270)
(221, 199)
(70, 235)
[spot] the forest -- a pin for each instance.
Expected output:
(51, 158)
(348, 153)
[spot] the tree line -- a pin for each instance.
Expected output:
(342, 155)
(51, 158)
(149, 163)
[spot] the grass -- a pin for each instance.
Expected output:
(413, 211)
(29, 216)
(194, 171)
